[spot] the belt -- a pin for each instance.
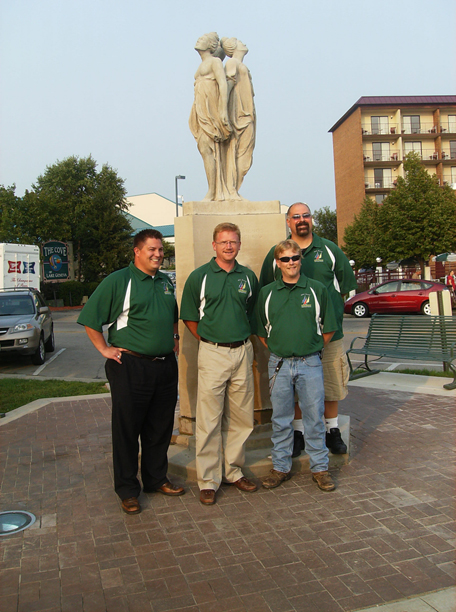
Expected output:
(151, 357)
(226, 344)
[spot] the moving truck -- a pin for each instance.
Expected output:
(19, 265)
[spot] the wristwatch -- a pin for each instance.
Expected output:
(176, 337)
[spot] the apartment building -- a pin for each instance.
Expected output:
(371, 139)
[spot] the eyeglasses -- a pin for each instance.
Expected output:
(303, 216)
(228, 242)
(287, 259)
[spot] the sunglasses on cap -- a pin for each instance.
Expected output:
(287, 259)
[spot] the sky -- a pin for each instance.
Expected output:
(114, 79)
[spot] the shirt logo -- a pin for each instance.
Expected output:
(242, 286)
(318, 256)
(14, 266)
(167, 289)
(305, 300)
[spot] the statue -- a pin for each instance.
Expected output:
(222, 118)
(241, 113)
(209, 115)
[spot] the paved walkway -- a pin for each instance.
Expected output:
(384, 537)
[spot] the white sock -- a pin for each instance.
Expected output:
(331, 424)
(298, 426)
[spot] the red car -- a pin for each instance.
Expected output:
(395, 296)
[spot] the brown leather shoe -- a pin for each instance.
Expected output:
(131, 505)
(243, 484)
(324, 481)
(170, 489)
(207, 497)
(275, 479)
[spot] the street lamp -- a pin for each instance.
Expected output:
(179, 177)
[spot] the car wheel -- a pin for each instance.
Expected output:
(39, 355)
(49, 345)
(360, 310)
(426, 308)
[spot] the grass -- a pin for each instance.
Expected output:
(18, 392)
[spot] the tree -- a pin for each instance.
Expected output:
(71, 201)
(325, 223)
(361, 239)
(417, 219)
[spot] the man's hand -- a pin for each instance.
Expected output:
(98, 341)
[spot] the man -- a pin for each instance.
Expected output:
(140, 307)
(295, 319)
(324, 261)
(217, 305)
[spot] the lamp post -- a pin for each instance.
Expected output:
(179, 177)
(379, 269)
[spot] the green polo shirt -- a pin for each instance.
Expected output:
(140, 309)
(294, 319)
(222, 302)
(323, 261)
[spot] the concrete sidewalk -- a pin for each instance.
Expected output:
(383, 540)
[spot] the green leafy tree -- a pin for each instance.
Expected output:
(325, 223)
(417, 219)
(71, 201)
(361, 237)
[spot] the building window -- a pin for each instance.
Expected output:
(411, 124)
(380, 151)
(452, 123)
(379, 125)
(453, 149)
(380, 197)
(382, 178)
(413, 146)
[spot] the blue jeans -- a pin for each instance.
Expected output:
(305, 375)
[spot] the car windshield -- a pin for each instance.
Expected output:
(16, 305)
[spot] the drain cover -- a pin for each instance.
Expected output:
(17, 520)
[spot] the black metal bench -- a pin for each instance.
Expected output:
(426, 338)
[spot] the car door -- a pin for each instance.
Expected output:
(384, 297)
(412, 295)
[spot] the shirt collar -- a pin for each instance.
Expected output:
(302, 282)
(216, 268)
(142, 275)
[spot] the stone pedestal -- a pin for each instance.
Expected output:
(262, 225)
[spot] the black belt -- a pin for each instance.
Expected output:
(226, 344)
(151, 357)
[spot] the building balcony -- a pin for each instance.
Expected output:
(392, 129)
(447, 128)
(373, 185)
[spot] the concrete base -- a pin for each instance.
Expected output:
(181, 453)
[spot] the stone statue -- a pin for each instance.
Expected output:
(222, 118)
(241, 113)
(209, 115)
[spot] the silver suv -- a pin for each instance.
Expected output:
(26, 326)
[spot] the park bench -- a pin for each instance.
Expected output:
(426, 338)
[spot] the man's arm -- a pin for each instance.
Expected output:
(98, 341)
(192, 326)
(263, 342)
(326, 337)
(176, 341)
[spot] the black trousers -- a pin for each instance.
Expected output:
(144, 396)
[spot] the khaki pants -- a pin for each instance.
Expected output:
(224, 412)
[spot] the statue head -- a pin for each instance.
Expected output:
(230, 45)
(208, 42)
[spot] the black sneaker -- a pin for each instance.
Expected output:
(298, 444)
(335, 443)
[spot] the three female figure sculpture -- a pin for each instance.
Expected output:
(222, 118)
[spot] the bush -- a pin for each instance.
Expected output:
(71, 292)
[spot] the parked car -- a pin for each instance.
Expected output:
(26, 326)
(396, 296)
(365, 275)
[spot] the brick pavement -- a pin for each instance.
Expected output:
(386, 533)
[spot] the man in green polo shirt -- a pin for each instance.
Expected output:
(324, 261)
(217, 306)
(140, 307)
(295, 320)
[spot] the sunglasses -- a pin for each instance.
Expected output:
(303, 216)
(287, 259)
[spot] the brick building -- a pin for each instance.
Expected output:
(371, 139)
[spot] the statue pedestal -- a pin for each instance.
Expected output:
(262, 225)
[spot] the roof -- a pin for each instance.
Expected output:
(138, 225)
(397, 101)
